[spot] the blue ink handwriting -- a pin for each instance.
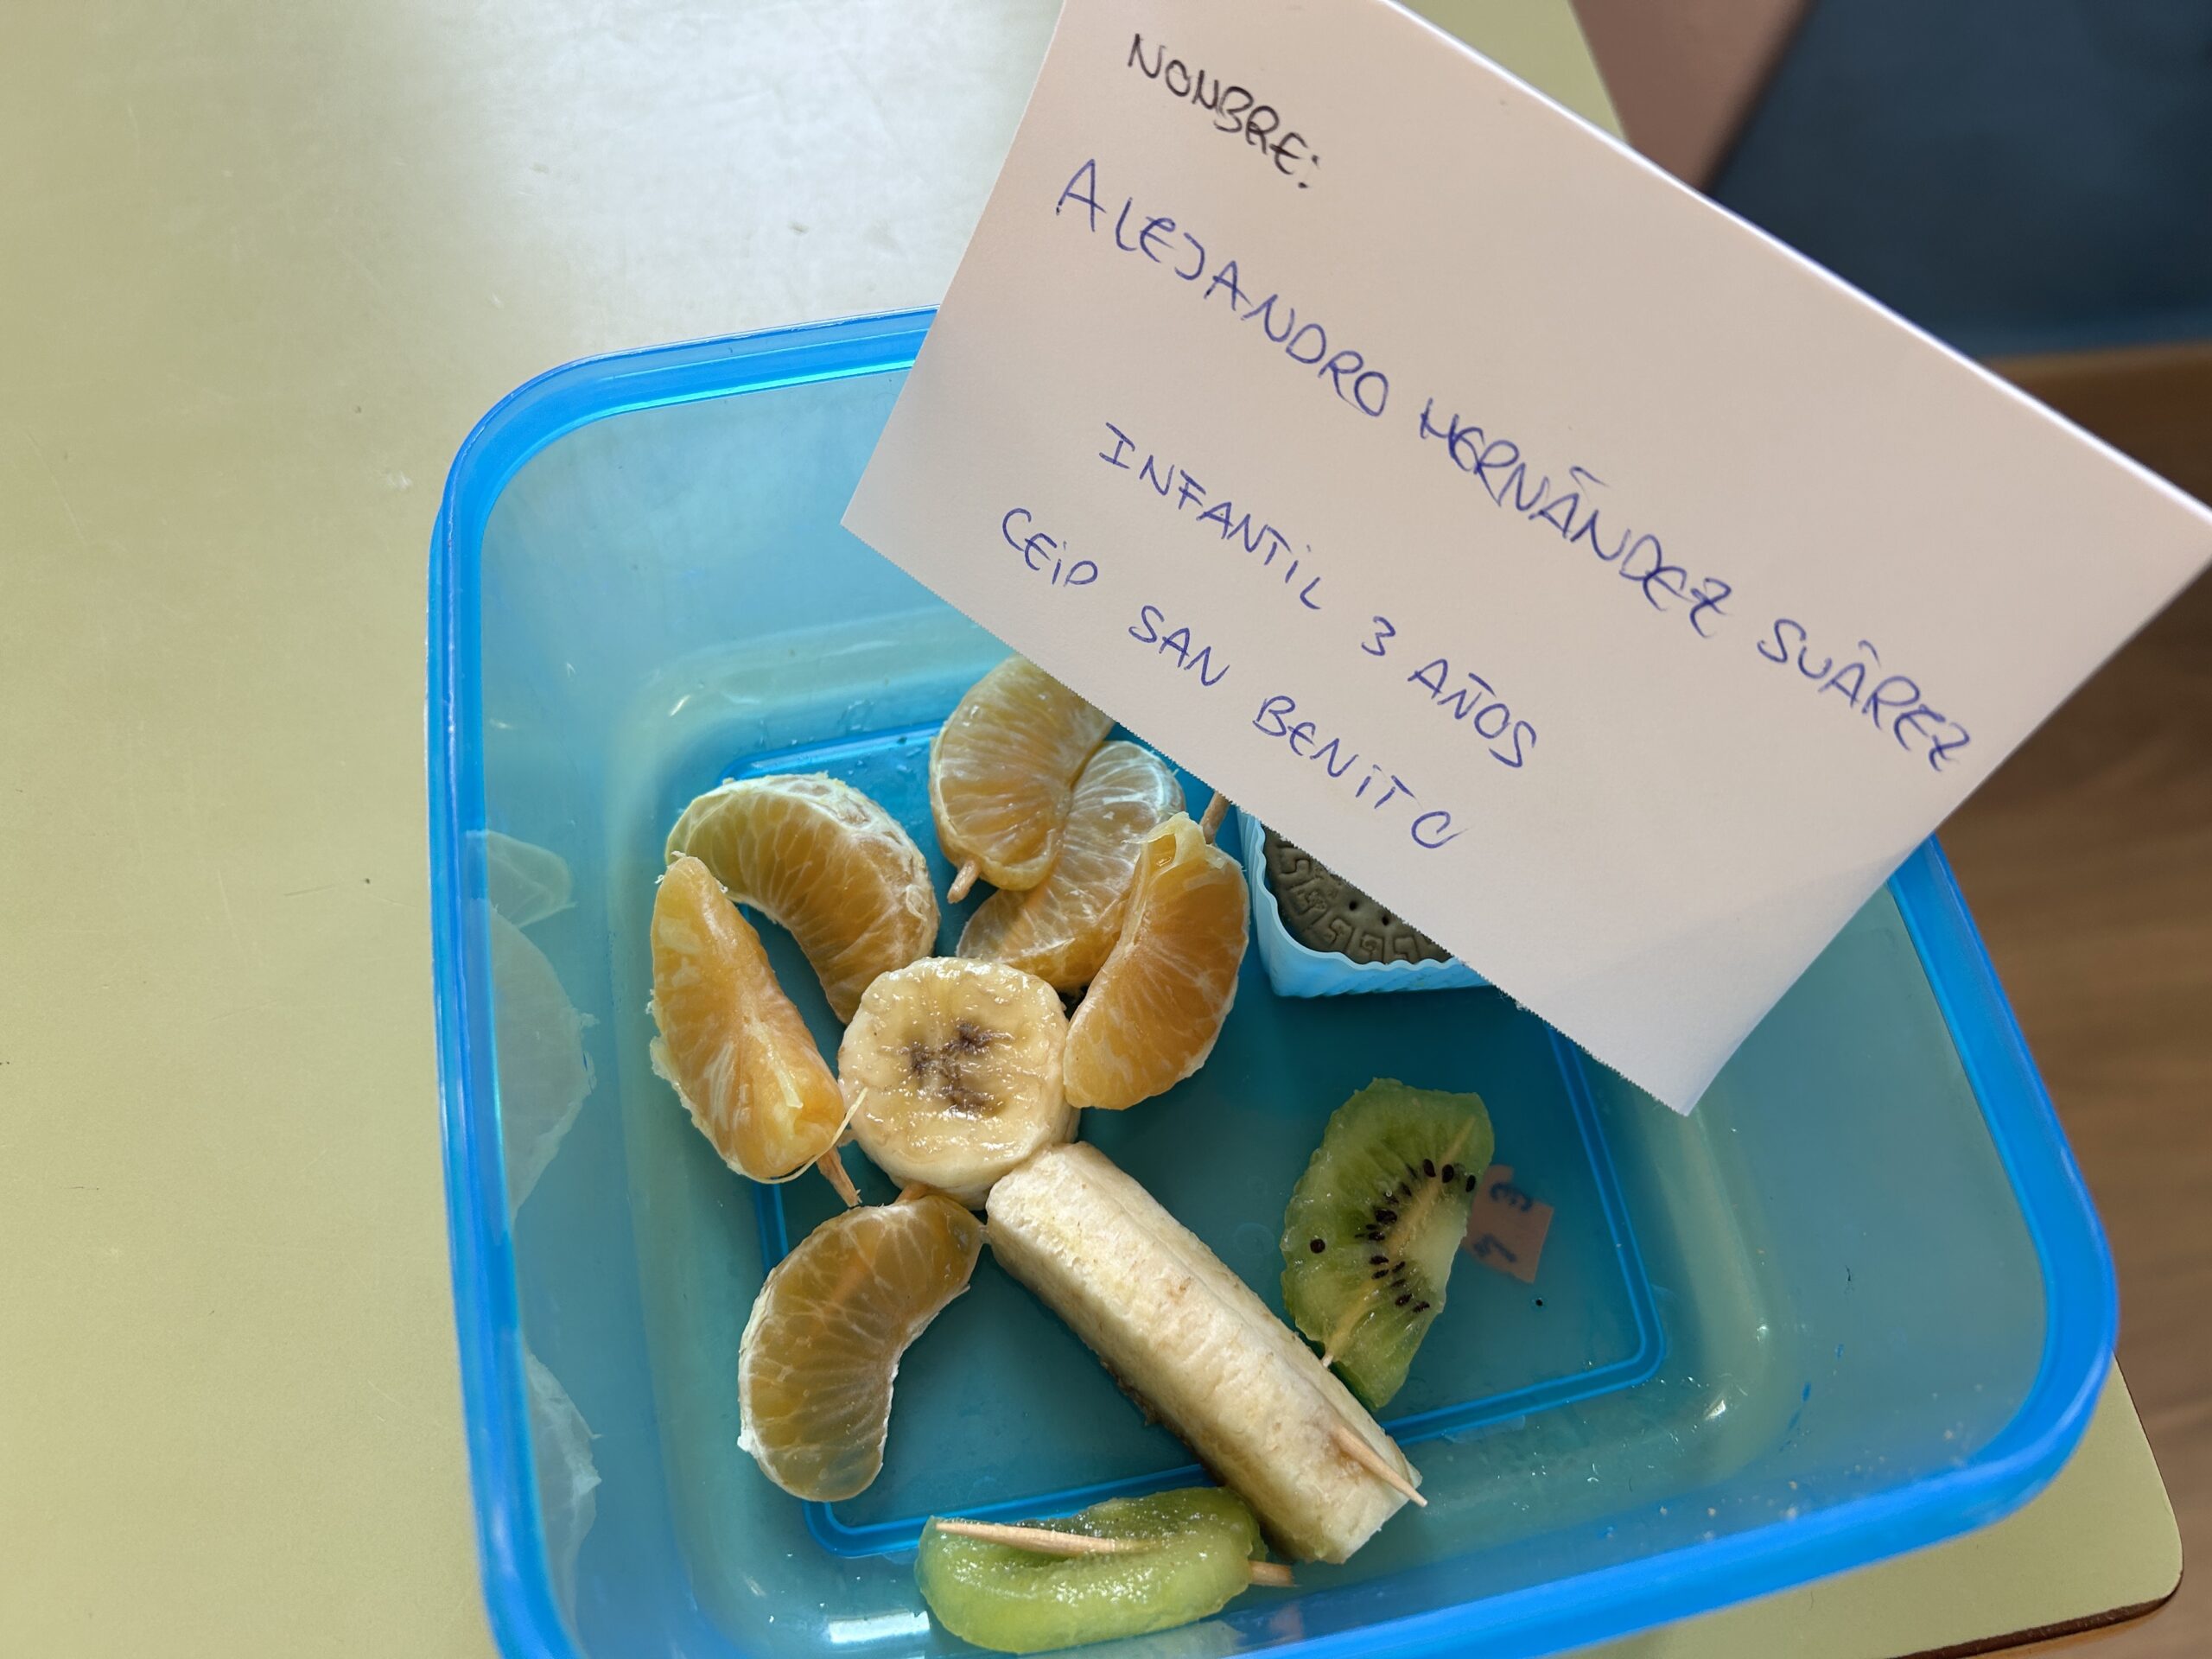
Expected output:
(1042, 554)
(1376, 787)
(1182, 492)
(1477, 702)
(1160, 239)
(1190, 657)
(1575, 508)
(1866, 688)
(1573, 512)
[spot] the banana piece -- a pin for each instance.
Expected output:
(1189, 1337)
(951, 1070)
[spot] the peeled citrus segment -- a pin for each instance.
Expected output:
(952, 1070)
(1152, 1012)
(1002, 773)
(1061, 928)
(815, 1368)
(737, 1052)
(1182, 1555)
(826, 863)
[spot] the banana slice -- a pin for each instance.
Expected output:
(951, 1071)
(1189, 1337)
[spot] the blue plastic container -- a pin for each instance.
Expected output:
(1858, 1302)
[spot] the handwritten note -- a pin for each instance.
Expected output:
(1588, 577)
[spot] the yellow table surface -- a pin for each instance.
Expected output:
(261, 263)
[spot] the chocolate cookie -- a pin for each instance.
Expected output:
(1324, 912)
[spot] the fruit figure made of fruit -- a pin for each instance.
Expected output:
(951, 1069)
(819, 1352)
(824, 863)
(740, 1057)
(1156, 1007)
(1376, 1223)
(1003, 775)
(1061, 928)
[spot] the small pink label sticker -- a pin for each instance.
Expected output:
(1507, 1231)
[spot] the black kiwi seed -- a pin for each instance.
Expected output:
(1472, 1180)
(1386, 1215)
(1318, 1246)
(1450, 1170)
(1385, 1273)
(1402, 1301)
(1377, 1261)
(1428, 1166)
(1420, 1308)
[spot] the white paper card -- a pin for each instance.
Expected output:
(1583, 574)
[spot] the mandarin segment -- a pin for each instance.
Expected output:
(739, 1055)
(826, 863)
(1152, 1013)
(822, 1346)
(1061, 928)
(1002, 774)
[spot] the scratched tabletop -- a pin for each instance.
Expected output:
(262, 265)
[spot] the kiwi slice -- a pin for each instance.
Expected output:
(1375, 1222)
(1190, 1553)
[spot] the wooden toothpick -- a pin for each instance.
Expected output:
(963, 879)
(833, 1169)
(1352, 1446)
(1043, 1541)
(1217, 809)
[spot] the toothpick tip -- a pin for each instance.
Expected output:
(833, 1170)
(1273, 1575)
(962, 880)
(1217, 809)
(1355, 1447)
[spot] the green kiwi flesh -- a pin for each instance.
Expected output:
(1374, 1226)
(1203, 1539)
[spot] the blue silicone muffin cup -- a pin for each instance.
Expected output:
(1297, 969)
(1858, 1302)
